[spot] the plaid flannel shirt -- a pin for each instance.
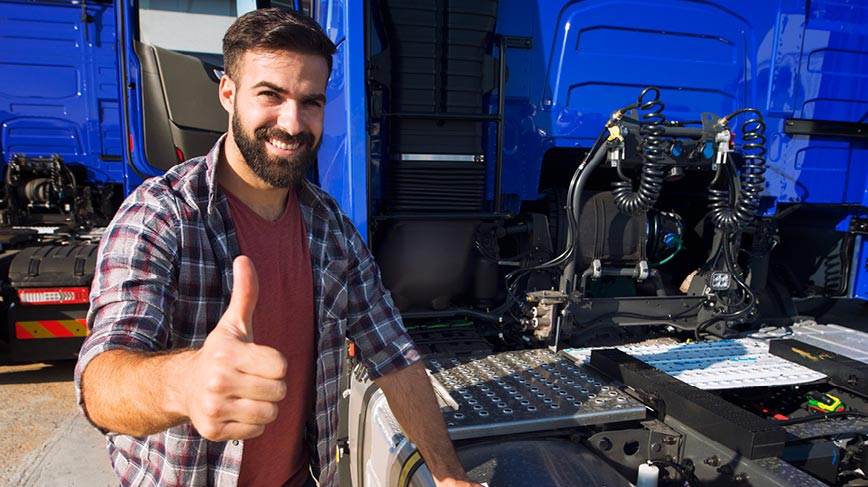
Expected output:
(163, 280)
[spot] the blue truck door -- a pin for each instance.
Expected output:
(170, 78)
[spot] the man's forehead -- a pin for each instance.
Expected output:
(267, 55)
(268, 58)
(259, 65)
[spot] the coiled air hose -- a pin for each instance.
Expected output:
(738, 212)
(652, 148)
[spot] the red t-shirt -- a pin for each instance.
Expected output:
(283, 319)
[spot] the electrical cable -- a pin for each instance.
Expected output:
(687, 313)
(730, 211)
(652, 149)
(734, 210)
(592, 159)
(733, 270)
(574, 204)
(747, 298)
(822, 417)
(597, 150)
(687, 473)
(737, 211)
(678, 247)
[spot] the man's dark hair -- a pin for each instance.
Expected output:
(274, 29)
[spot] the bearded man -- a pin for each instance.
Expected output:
(237, 242)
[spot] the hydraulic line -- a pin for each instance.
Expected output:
(574, 199)
(738, 212)
(566, 258)
(652, 149)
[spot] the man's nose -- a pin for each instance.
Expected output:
(290, 118)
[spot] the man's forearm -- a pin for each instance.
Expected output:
(134, 393)
(228, 389)
(412, 401)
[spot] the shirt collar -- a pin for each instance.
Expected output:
(211, 160)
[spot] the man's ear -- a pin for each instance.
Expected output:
(226, 93)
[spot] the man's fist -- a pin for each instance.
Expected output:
(233, 385)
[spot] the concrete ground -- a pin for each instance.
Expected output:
(74, 457)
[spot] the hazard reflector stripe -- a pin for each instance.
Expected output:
(28, 330)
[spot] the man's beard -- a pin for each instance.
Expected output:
(277, 172)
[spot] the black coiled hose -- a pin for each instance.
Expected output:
(739, 212)
(651, 147)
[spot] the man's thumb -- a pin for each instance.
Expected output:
(245, 292)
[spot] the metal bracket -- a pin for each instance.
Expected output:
(826, 128)
(518, 42)
(480, 158)
(632, 447)
(642, 270)
(597, 267)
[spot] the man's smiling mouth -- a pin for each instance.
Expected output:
(285, 146)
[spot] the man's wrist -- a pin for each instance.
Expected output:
(175, 369)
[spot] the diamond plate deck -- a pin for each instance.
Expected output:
(524, 391)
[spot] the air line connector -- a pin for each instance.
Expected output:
(615, 145)
(615, 118)
(723, 140)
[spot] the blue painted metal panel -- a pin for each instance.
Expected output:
(59, 93)
(343, 155)
(609, 50)
(832, 84)
(859, 286)
(822, 74)
(527, 136)
(592, 57)
(587, 58)
(132, 108)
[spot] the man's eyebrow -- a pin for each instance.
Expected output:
(316, 97)
(271, 86)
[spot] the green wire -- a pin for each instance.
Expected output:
(677, 249)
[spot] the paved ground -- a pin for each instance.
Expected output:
(44, 441)
(74, 457)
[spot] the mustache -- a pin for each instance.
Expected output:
(301, 138)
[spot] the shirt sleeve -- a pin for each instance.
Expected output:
(373, 322)
(130, 300)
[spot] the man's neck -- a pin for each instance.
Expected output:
(236, 177)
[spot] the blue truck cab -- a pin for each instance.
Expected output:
(553, 189)
(87, 111)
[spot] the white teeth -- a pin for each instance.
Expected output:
(281, 145)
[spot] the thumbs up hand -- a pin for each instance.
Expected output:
(234, 385)
(237, 320)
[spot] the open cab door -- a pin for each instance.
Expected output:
(171, 64)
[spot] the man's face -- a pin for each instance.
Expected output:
(277, 114)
